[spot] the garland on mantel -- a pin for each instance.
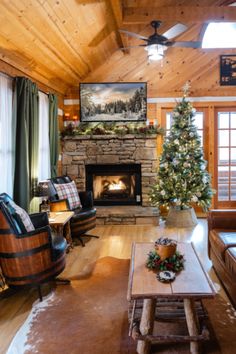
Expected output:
(111, 129)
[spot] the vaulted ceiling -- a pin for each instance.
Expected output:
(64, 42)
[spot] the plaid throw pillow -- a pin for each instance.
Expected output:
(69, 191)
(23, 215)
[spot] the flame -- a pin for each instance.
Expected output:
(117, 186)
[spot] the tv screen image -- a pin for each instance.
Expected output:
(113, 102)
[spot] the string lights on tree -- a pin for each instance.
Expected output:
(182, 178)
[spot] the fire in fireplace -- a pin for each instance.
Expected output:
(114, 184)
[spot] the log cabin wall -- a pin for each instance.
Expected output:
(61, 43)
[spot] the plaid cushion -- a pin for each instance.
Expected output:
(22, 214)
(69, 191)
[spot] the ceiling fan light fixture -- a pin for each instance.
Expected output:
(155, 52)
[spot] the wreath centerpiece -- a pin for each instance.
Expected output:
(165, 259)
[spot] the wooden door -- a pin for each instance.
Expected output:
(225, 152)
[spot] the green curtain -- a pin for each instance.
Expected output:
(27, 127)
(53, 133)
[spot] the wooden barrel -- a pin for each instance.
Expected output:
(26, 259)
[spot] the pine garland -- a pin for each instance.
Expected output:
(111, 129)
(174, 263)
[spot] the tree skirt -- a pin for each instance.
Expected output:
(90, 317)
(181, 218)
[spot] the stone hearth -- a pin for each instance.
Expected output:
(128, 215)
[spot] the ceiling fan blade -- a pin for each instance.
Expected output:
(132, 34)
(175, 31)
(187, 44)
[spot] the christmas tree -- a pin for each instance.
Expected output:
(182, 176)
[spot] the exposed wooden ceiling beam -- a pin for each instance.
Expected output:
(137, 15)
(117, 11)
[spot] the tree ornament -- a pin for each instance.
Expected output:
(194, 199)
(186, 164)
(175, 162)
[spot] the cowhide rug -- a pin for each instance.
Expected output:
(90, 317)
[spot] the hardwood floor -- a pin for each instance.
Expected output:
(115, 241)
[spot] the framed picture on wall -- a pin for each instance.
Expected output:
(113, 102)
(228, 70)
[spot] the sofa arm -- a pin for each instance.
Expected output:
(86, 199)
(221, 219)
(59, 205)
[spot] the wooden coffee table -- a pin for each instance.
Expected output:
(60, 222)
(191, 284)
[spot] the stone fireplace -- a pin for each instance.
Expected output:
(124, 165)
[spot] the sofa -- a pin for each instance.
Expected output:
(222, 248)
(84, 218)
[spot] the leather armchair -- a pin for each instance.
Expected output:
(84, 218)
(31, 258)
(222, 247)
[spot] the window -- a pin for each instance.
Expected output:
(226, 151)
(44, 148)
(7, 135)
(198, 118)
(220, 35)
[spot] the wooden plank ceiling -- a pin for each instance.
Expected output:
(64, 42)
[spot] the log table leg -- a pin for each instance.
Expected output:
(192, 323)
(67, 235)
(146, 324)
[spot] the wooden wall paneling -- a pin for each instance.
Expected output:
(115, 67)
(91, 22)
(50, 42)
(69, 31)
(179, 14)
(13, 72)
(170, 76)
(151, 112)
(26, 64)
(37, 44)
(159, 3)
(198, 65)
(55, 46)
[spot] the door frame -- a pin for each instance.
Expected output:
(220, 204)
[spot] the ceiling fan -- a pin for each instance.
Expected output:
(156, 44)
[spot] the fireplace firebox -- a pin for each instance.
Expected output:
(114, 184)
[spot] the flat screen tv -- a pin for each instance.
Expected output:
(113, 102)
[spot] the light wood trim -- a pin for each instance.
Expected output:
(179, 14)
(220, 204)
